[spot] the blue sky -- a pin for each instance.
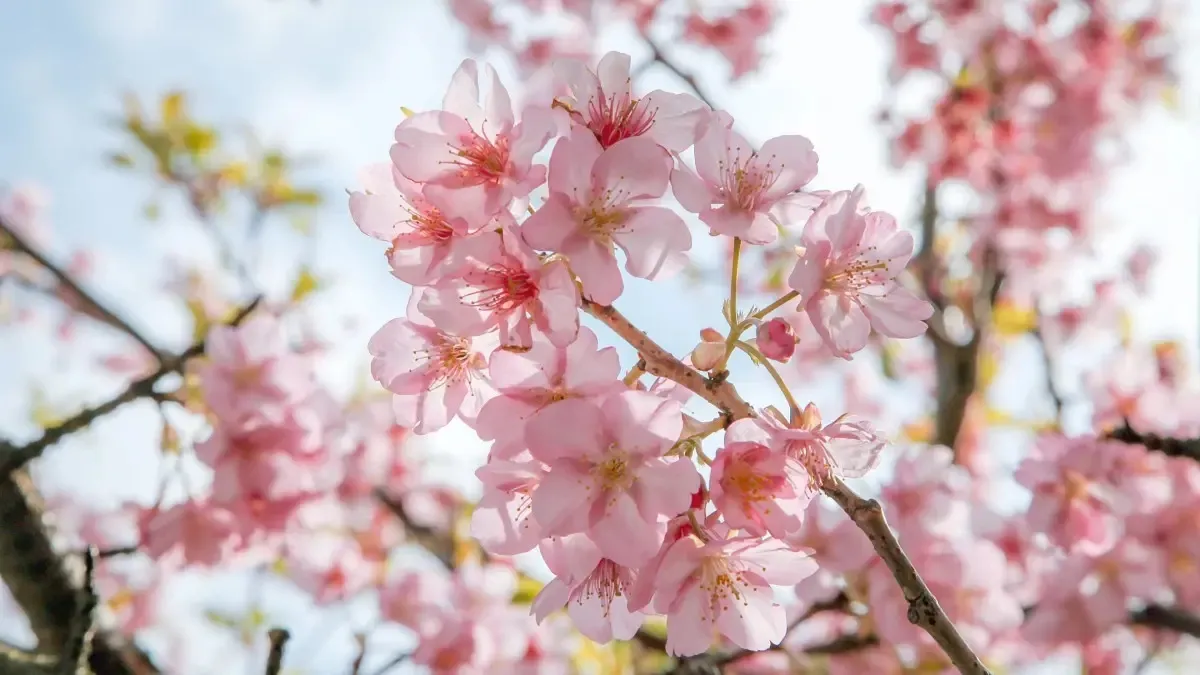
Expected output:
(328, 80)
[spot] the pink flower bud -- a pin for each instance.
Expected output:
(708, 353)
(776, 340)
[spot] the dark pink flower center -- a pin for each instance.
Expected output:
(607, 582)
(450, 359)
(614, 119)
(481, 160)
(501, 288)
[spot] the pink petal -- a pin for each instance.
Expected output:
(654, 239)
(635, 168)
(643, 423)
(588, 436)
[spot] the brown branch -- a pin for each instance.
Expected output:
(279, 638)
(661, 363)
(657, 55)
(429, 539)
(1171, 447)
(923, 608)
(1168, 618)
(141, 388)
(42, 583)
(92, 306)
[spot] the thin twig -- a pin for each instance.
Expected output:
(657, 55)
(400, 658)
(428, 538)
(1048, 365)
(141, 388)
(93, 306)
(278, 638)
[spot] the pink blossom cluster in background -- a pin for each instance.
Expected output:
(513, 220)
(539, 32)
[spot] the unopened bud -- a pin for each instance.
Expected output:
(709, 352)
(776, 340)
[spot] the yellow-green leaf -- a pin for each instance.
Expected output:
(527, 589)
(303, 197)
(120, 159)
(172, 108)
(42, 413)
(234, 173)
(219, 619)
(198, 140)
(200, 320)
(1010, 319)
(306, 284)
(169, 442)
(151, 211)
(407, 112)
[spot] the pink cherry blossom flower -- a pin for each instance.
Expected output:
(776, 340)
(603, 102)
(608, 477)
(737, 186)
(536, 381)
(433, 375)
(759, 489)
(723, 586)
(1073, 502)
(505, 285)
(277, 455)
(188, 533)
(503, 521)
(846, 275)
(425, 233)
(845, 448)
(599, 198)
(251, 365)
(479, 151)
(594, 590)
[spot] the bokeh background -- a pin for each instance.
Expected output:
(325, 81)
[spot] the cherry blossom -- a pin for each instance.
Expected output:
(604, 197)
(736, 187)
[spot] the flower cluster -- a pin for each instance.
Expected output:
(595, 470)
(548, 31)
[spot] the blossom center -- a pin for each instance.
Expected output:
(751, 485)
(815, 458)
(612, 118)
(449, 358)
(743, 184)
(614, 472)
(1076, 487)
(606, 583)
(858, 274)
(600, 219)
(502, 289)
(722, 583)
(481, 160)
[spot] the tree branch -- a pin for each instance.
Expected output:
(923, 608)
(279, 638)
(1168, 618)
(1171, 447)
(657, 55)
(41, 582)
(93, 306)
(19, 456)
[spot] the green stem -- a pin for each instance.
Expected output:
(787, 393)
(762, 314)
